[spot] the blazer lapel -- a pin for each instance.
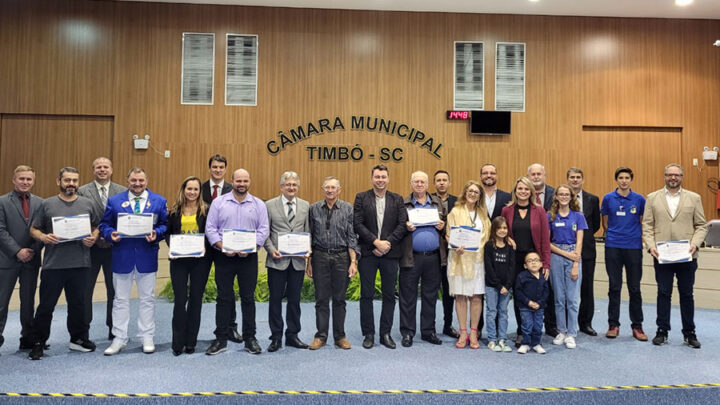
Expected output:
(681, 203)
(281, 210)
(18, 204)
(663, 201)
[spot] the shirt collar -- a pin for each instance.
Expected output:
(142, 196)
(98, 185)
(285, 200)
(668, 194)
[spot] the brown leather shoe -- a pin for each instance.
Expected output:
(316, 344)
(342, 343)
(639, 334)
(613, 332)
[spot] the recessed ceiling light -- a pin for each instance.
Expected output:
(682, 3)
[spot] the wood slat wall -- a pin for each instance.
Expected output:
(123, 59)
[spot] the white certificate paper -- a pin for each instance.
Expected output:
(674, 251)
(187, 245)
(73, 227)
(134, 225)
(294, 243)
(466, 236)
(239, 240)
(423, 216)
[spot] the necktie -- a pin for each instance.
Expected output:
(103, 195)
(291, 213)
(136, 209)
(537, 199)
(26, 206)
(215, 187)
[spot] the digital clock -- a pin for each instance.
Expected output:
(458, 115)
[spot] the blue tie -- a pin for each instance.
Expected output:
(136, 209)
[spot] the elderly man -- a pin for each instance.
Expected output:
(673, 214)
(422, 255)
(286, 213)
(334, 261)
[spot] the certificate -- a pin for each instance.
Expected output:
(187, 245)
(134, 225)
(294, 243)
(423, 216)
(239, 240)
(466, 236)
(674, 251)
(73, 227)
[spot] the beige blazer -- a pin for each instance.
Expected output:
(687, 223)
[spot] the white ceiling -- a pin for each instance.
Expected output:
(703, 9)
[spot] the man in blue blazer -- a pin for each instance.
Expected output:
(134, 258)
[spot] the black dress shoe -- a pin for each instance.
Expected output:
(252, 346)
(190, 349)
(176, 352)
(37, 352)
(216, 347)
(234, 335)
(27, 345)
(588, 330)
(452, 332)
(432, 338)
(406, 341)
(293, 341)
(387, 341)
(369, 341)
(275, 345)
(551, 332)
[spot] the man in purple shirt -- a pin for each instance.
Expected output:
(236, 210)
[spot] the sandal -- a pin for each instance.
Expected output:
(463, 339)
(474, 338)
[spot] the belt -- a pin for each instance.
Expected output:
(565, 247)
(430, 253)
(330, 251)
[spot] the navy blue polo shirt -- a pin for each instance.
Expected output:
(563, 230)
(425, 238)
(624, 213)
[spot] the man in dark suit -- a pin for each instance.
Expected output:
(212, 189)
(495, 199)
(442, 187)
(98, 191)
(590, 207)
(19, 252)
(544, 196)
(379, 217)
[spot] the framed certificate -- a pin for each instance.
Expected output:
(135, 225)
(423, 216)
(466, 236)
(239, 240)
(187, 245)
(73, 227)
(294, 243)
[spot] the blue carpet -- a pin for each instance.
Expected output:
(596, 362)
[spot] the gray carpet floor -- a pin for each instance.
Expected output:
(596, 362)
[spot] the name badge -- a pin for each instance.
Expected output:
(620, 213)
(559, 224)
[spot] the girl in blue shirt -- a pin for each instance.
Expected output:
(566, 233)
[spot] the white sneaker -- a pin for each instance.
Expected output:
(148, 345)
(559, 339)
(504, 346)
(115, 347)
(570, 342)
(524, 349)
(539, 349)
(495, 347)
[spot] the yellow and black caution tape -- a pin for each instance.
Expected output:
(361, 392)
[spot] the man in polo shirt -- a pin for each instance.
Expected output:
(236, 210)
(622, 211)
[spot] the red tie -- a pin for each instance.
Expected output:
(26, 206)
(215, 187)
(537, 199)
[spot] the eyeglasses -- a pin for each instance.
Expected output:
(488, 173)
(476, 192)
(563, 195)
(528, 261)
(673, 175)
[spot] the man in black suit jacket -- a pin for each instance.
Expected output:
(545, 194)
(442, 186)
(379, 217)
(19, 253)
(210, 190)
(590, 207)
(495, 199)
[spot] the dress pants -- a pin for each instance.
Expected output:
(121, 304)
(28, 276)
(100, 257)
(448, 300)
(369, 267)
(587, 294)
(212, 254)
(52, 283)
(567, 292)
(330, 277)
(664, 276)
(286, 283)
(227, 268)
(187, 307)
(615, 259)
(425, 270)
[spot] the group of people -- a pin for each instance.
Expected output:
(537, 246)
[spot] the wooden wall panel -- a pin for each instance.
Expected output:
(316, 64)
